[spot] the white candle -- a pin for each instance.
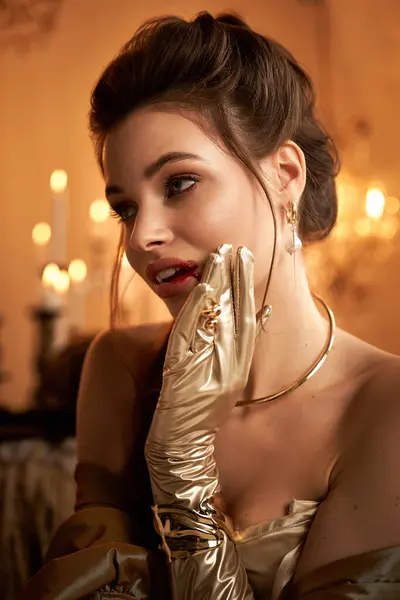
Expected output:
(100, 237)
(77, 295)
(99, 218)
(41, 235)
(58, 184)
(61, 327)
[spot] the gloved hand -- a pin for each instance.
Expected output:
(206, 368)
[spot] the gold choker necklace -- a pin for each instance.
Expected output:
(311, 371)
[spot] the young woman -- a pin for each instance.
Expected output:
(251, 452)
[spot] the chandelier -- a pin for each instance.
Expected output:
(366, 235)
(21, 21)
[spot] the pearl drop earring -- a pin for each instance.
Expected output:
(295, 244)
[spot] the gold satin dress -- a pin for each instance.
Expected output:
(89, 561)
(97, 561)
(270, 551)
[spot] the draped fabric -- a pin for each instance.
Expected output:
(94, 558)
(93, 551)
(369, 576)
(37, 493)
(92, 555)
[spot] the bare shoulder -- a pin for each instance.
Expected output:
(116, 366)
(372, 407)
(384, 382)
(374, 421)
(131, 348)
(361, 510)
(377, 399)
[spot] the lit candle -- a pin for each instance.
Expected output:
(55, 288)
(100, 234)
(50, 299)
(41, 235)
(58, 184)
(61, 283)
(99, 215)
(374, 203)
(61, 326)
(77, 295)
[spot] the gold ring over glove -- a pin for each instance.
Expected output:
(185, 532)
(211, 314)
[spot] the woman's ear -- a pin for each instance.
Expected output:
(290, 166)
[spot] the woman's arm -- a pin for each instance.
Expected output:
(109, 419)
(109, 545)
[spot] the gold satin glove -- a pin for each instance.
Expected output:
(207, 365)
(205, 370)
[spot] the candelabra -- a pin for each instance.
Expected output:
(59, 311)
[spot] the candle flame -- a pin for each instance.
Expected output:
(41, 234)
(99, 211)
(58, 181)
(61, 283)
(77, 270)
(50, 275)
(375, 203)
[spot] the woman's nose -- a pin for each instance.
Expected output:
(148, 231)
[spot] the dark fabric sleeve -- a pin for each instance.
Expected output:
(92, 556)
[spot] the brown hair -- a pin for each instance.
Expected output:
(250, 88)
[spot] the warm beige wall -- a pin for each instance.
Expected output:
(365, 83)
(43, 107)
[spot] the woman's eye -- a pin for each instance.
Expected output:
(123, 212)
(178, 185)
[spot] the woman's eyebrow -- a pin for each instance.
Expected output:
(155, 166)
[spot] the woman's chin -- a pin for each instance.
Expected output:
(176, 301)
(175, 305)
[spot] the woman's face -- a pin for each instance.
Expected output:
(180, 196)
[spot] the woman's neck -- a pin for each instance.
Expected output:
(294, 335)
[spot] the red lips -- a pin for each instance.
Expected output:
(154, 268)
